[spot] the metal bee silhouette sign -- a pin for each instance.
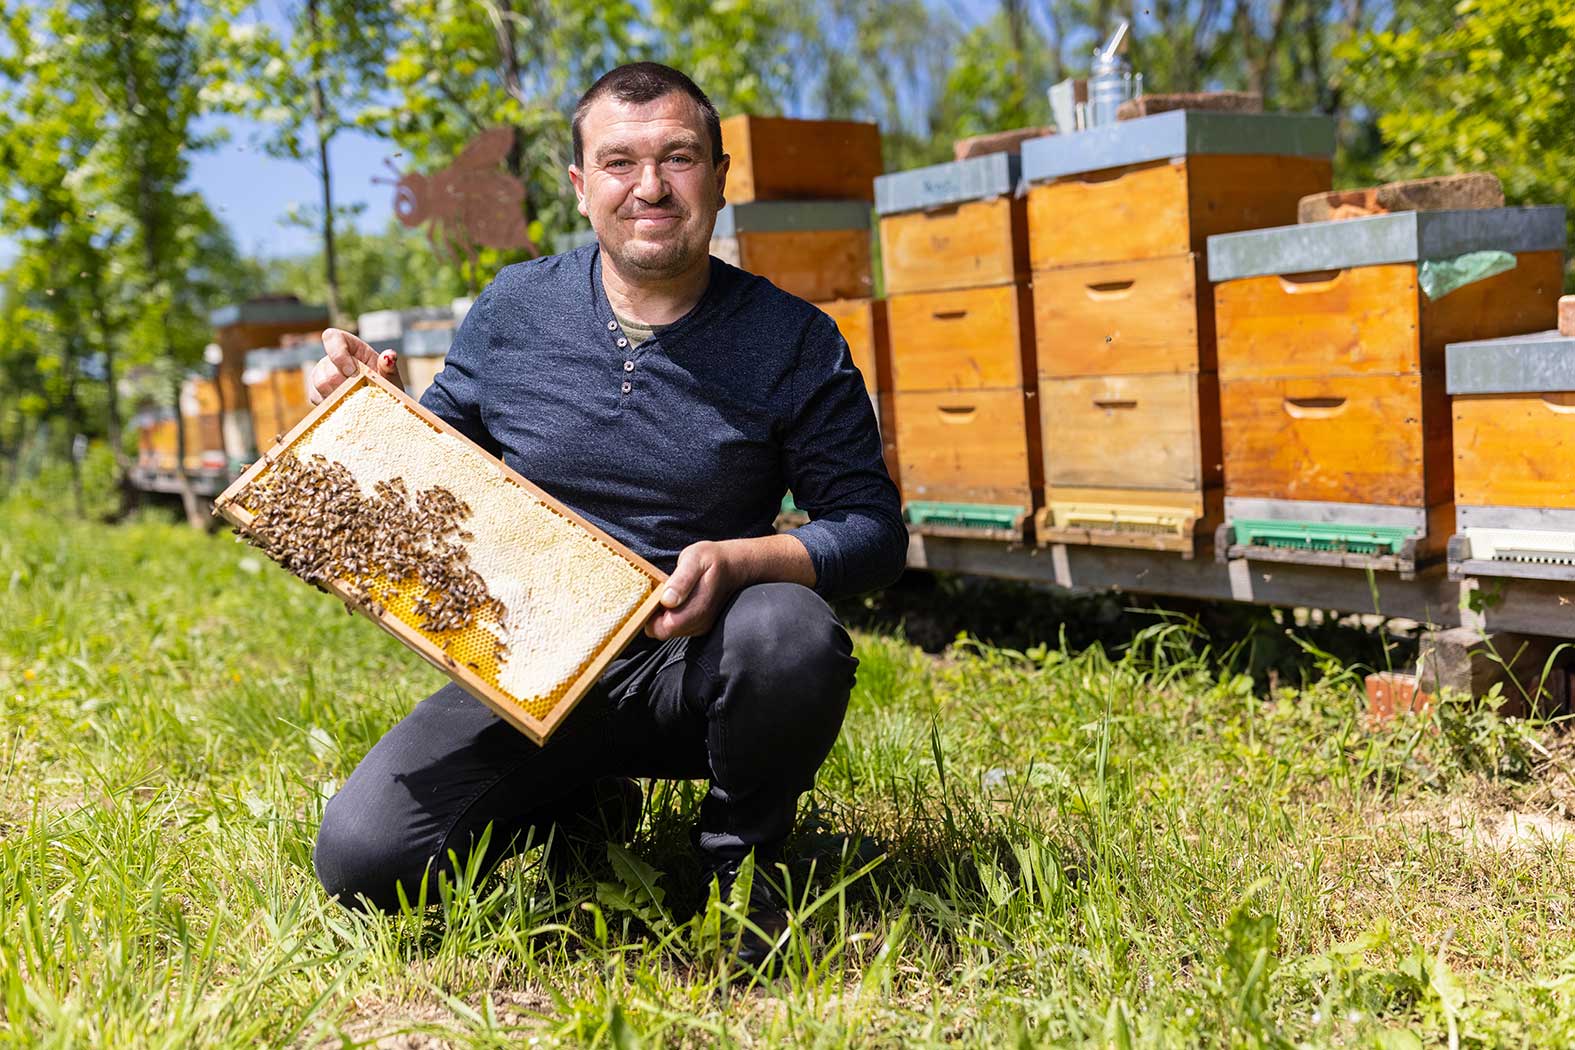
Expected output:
(470, 204)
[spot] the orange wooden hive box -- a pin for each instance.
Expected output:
(1118, 217)
(954, 253)
(817, 250)
(782, 158)
(1514, 443)
(484, 575)
(1336, 423)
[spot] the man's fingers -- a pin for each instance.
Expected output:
(326, 378)
(344, 350)
(685, 575)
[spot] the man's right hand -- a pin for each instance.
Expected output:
(344, 350)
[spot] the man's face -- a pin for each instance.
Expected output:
(648, 184)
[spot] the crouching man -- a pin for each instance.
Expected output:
(671, 399)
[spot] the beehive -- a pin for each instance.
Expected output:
(1331, 354)
(954, 253)
(1123, 317)
(1514, 440)
(493, 581)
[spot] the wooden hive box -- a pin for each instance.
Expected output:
(485, 576)
(422, 353)
(968, 460)
(779, 158)
(1123, 314)
(260, 394)
(862, 323)
(1331, 354)
(957, 225)
(816, 250)
(1514, 450)
(1162, 185)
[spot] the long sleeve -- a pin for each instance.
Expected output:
(456, 393)
(856, 538)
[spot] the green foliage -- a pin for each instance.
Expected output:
(1480, 85)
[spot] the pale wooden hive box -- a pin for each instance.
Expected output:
(563, 597)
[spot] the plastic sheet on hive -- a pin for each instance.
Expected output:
(485, 576)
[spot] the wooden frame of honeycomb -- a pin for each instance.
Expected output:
(571, 616)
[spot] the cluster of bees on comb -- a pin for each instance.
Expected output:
(312, 517)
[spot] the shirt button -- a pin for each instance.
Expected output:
(627, 386)
(612, 326)
(628, 366)
(622, 341)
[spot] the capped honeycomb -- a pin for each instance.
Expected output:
(482, 574)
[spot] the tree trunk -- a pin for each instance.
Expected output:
(320, 124)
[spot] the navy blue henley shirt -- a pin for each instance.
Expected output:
(695, 435)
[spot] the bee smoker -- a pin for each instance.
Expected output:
(1111, 81)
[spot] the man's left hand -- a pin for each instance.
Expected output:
(710, 572)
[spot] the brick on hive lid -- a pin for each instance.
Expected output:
(1463, 192)
(997, 142)
(1217, 101)
(1567, 315)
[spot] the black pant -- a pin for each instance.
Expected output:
(754, 707)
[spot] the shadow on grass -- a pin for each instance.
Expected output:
(931, 610)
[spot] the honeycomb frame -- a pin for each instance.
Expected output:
(510, 708)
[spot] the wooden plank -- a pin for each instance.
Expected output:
(779, 158)
(973, 338)
(966, 446)
(1349, 439)
(862, 323)
(1529, 606)
(1515, 450)
(811, 264)
(1124, 318)
(1138, 432)
(1360, 321)
(229, 504)
(966, 245)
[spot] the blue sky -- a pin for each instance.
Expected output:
(253, 192)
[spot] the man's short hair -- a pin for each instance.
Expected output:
(640, 82)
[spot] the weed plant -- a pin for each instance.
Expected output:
(1123, 845)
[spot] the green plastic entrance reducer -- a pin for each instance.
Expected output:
(1322, 536)
(965, 515)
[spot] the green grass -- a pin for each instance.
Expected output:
(1118, 846)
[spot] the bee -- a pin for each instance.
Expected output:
(468, 204)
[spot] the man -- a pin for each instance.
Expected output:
(671, 399)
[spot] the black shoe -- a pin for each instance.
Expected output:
(610, 812)
(768, 920)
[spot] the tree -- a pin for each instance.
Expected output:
(309, 88)
(1482, 86)
(59, 305)
(154, 65)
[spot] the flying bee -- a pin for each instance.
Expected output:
(469, 204)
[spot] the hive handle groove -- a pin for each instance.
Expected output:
(1310, 282)
(1314, 407)
(1107, 290)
